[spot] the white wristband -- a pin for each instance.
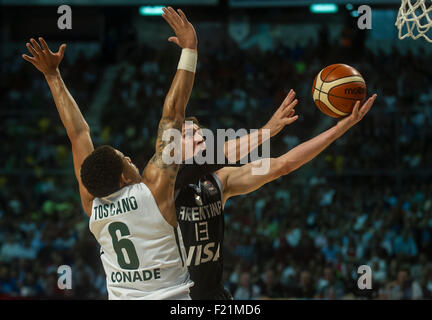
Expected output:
(188, 60)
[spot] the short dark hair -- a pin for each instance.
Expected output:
(194, 120)
(101, 171)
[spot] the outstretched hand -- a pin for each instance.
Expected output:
(357, 114)
(43, 58)
(185, 33)
(284, 115)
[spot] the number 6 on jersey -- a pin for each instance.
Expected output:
(125, 244)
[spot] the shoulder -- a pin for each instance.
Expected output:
(216, 181)
(223, 173)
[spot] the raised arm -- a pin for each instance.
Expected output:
(76, 127)
(283, 116)
(236, 181)
(158, 175)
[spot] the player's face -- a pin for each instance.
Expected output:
(130, 171)
(192, 137)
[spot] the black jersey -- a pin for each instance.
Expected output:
(199, 212)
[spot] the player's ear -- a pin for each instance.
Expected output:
(123, 180)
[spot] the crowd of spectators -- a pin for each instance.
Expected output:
(314, 237)
(365, 201)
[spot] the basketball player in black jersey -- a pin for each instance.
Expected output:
(202, 191)
(197, 188)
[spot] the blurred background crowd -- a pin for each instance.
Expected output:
(366, 200)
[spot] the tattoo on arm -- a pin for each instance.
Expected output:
(166, 123)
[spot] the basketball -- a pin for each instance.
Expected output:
(337, 88)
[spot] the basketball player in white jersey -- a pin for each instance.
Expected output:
(132, 216)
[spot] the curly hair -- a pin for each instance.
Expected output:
(101, 171)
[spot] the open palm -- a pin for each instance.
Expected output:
(284, 115)
(185, 33)
(357, 114)
(43, 58)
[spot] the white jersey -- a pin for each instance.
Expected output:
(142, 254)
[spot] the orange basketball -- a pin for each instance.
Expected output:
(337, 88)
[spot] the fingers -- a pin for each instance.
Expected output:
(168, 18)
(290, 96)
(355, 111)
(286, 110)
(32, 50)
(36, 46)
(290, 120)
(290, 111)
(177, 22)
(62, 50)
(44, 45)
(370, 102)
(176, 18)
(290, 108)
(174, 39)
(367, 106)
(182, 16)
(172, 18)
(29, 59)
(42, 52)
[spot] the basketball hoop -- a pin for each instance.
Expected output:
(413, 19)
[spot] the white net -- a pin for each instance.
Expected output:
(414, 19)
